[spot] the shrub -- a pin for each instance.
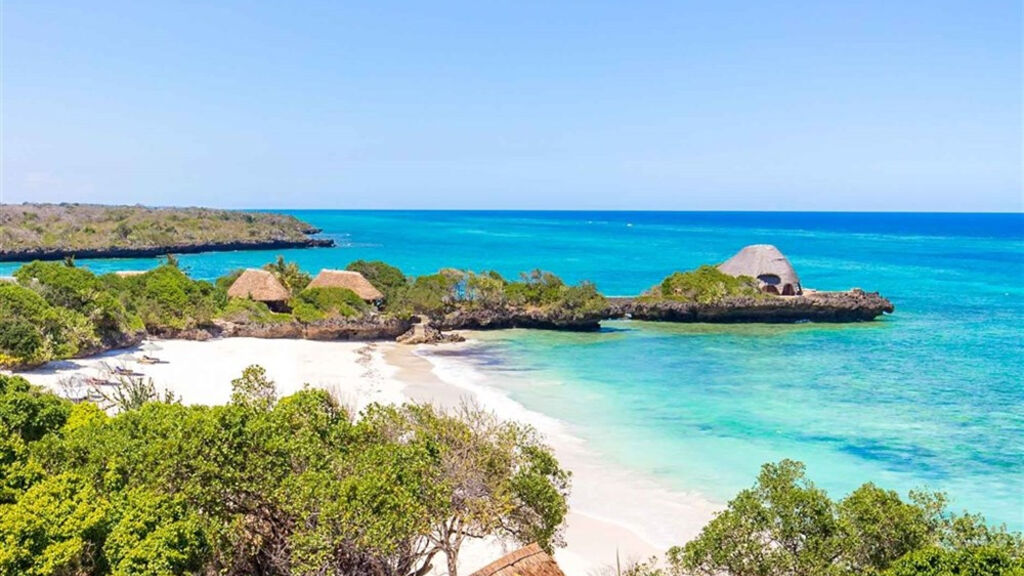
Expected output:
(784, 524)
(224, 282)
(289, 275)
(430, 294)
(59, 284)
(705, 285)
(245, 311)
(167, 299)
(35, 332)
(486, 290)
(28, 411)
(384, 277)
(329, 301)
(305, 312)
(536, 288)
(19, 339)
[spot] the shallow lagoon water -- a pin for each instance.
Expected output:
(932, 396)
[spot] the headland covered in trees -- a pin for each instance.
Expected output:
(56, 310)
(57, 231)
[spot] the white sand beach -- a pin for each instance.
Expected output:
(611, 510)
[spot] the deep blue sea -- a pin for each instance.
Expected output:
(931, 396)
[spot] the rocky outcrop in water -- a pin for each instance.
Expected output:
(423, 333)
(506, 317)
(851, 306)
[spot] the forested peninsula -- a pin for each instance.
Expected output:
(56, 310)
(57, 231)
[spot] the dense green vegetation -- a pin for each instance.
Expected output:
(32, 331)
(58, 310)
(297, 485)
(289, 275)
(705, 285)
(242, 310)
(450, 290)
(262, 486)
(384, 277)
(314, 304)
(70, 228)
(786, 526)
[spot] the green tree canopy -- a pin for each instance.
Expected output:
(784, 525)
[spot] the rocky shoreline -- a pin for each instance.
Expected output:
(825, 307)
(853, 305)
(156, 251)
(828, 307)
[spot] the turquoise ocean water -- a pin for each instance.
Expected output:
(932, 396)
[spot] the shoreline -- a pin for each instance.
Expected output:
(611, 510)
(48, 254)
(656, 518)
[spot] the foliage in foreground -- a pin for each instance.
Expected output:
(784, 525)
(262, 485)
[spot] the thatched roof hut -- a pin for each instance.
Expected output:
(258, 285)
(766, 263)
(529, 561)
(354, 281)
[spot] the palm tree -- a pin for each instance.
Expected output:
(289, 274)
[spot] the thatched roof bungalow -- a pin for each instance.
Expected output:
(766, 263)
(259, 285)
(354, 281)
(528, 561)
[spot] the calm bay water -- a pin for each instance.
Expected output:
(932, 396)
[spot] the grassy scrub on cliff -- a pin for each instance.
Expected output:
(74, 228)
(262, 485)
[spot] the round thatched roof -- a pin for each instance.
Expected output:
(528, 561)
(764, 262)
(258, 285)
(354, 281)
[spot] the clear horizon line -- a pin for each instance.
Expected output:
(513, 210)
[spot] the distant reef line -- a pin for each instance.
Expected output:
(156, 251)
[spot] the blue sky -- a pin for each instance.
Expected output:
(869, 105)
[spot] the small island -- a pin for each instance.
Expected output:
(758, 284)
(57, 231)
